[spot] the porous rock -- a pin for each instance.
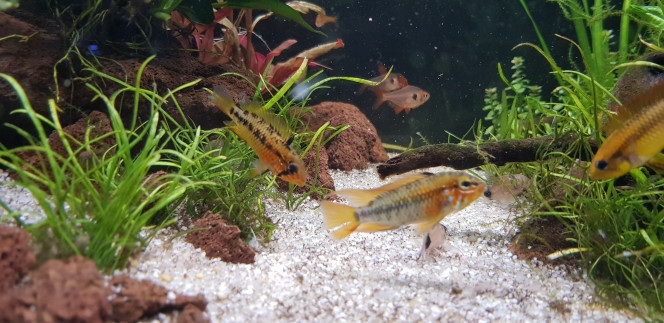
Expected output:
(220, 240)
(138, 299)
(16, 258)
(97, 123)
(73, 290)
(69, 290)
(355, 147)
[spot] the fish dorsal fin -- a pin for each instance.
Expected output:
(269, 117)
(381, 69)
(358, 197)
(634, 105)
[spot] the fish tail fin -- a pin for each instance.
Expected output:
(341, 218)
(379, 98)
(223, 99)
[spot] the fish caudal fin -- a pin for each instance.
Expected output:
(339, 218)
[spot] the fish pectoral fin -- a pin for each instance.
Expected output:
(373, 227)
(656, 163)
(426, 226)
(260, 168)
(407, 110)
(398, 110)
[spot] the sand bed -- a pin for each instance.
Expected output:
(304, 275)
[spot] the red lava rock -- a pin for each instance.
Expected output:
(16, 258)
(353, 148)
(221, 240)
(169, 71)
(72, 290)
(192, 314)
(31, 63)
(138, 299)
(69, 290)
(98, 125)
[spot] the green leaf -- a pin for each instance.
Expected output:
(651, 15)
(198, 11)
(272, 5)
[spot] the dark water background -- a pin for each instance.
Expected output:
(449, 48)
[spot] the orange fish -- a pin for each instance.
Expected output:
(266, 134)
(405, 99)
(393, 82)
(635, 136)
(421, 199)
(304, 7)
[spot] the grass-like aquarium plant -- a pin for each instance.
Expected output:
(616, 226)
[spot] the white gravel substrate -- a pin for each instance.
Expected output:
(304, 275)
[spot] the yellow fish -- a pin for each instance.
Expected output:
(636, 135)
(266, 134)
(422, 199)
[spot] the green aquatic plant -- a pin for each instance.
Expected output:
(96, 201)
(6, 5)
(518, 110)
(616, 230)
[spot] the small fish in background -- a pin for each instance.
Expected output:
(635, 136)
(405, 99)
(507, 188)
(421, 199)
(304, 7)
(266, 134)
(393, 82)
(436, 237)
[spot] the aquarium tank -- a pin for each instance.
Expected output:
(121, 116)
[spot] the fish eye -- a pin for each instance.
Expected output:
(601, 164)
(465, 185)
(292, 168)
(392, 81)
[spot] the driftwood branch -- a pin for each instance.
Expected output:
(464, 157)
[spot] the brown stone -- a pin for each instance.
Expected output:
(220, 240)
(30, 61)
(72, 290)
(69, 290)
(16, 258)
(138, 299)
(98, 125)
(355, 147)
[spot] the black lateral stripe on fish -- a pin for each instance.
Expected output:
(266, 134)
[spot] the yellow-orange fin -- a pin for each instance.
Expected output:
(269, 117)
(656, 163)
(358, 197)
(427, 225)
(373, 227)
(341, 218)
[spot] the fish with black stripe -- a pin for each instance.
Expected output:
(420, 199)
(266, 134)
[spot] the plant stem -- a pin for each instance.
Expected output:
(624, 32)
(596, 32)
